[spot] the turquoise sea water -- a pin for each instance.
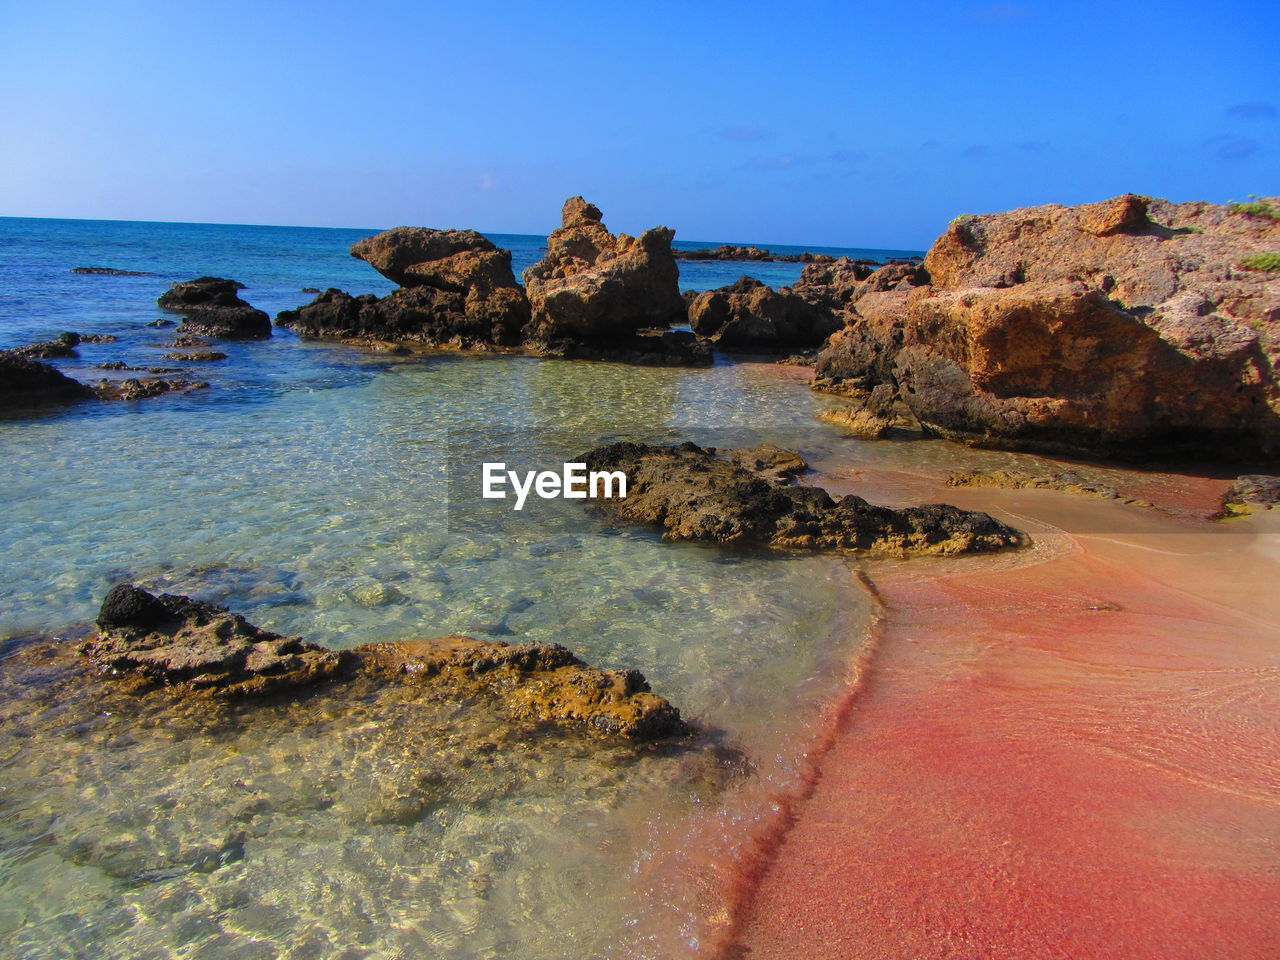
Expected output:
(306, 488)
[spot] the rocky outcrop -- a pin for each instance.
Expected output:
(176, 641)
(769, 461)
(112, 271)
(1127, 328)
(61, 346)
(197, 356)
(599, 287)
(1249, 494)
(196, 648)
(28, 383)
(692, 494)
(456, 289)
(211, 307)
(536, 681)
(749, 315)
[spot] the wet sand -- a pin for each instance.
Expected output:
(1072, 752)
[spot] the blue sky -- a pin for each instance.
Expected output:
(827, 123)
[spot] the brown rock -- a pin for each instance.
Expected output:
(593, 285)
(176, 641)
(692, 494)
(1249, 494)
(748, 315)
(144, 388)
(536, 681)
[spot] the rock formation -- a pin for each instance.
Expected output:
(748, 315)
(728, 251)
(1128, 328)
(29, 383)
(1249, 494)
(456, 289)
(602, 288)
(692, 494)
(211, 307)
(197, 648)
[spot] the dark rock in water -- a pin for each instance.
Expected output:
(728, 251)
(749, 315)
(595, 286)
(692, 494)
(115, 365)
(144, 388)
(160, 322)
(212, 308)
(1250, 493)
(29, 383)
(669, 348)
(197, 356)
(112, 271)
(185, 340)
(310, 290)
(175, 641)
(97, 337)
(535, 681)
(199, 648)
(64, 345)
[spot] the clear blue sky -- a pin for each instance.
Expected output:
(839, 123)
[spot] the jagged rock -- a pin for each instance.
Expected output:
(198, 648)
(211, 307)
(29, 383)
(751, 315)
(692, 494)
(874, 415)
(536, 681)
(595, 286)
(1122, 328)
(1250, 493)
(176, 641)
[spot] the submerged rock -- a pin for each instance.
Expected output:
(176, 641)
(29, 383)
(692, 494)
(1250, 493)
(749, 315)
(144, 388)
(211, 307)
(1067, 481)
(536, 681)
(199, 648)
(112, 271)
(600, 287)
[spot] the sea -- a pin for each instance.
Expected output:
(308, 488)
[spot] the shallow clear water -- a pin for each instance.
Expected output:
(307, 489)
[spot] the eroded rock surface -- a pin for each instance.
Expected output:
(172, 641)
(211, 307)
(600, 287)
(1067, 481)
(1126, 328)
(1249, 494)
(199, 648)
(749, 315)
(693, 494)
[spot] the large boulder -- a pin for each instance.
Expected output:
(1128, 328)
(1122, 328)
(749, 315)
(597, 286)
(211, 307)
(456, 289)
(691, 493)
(28, 383)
